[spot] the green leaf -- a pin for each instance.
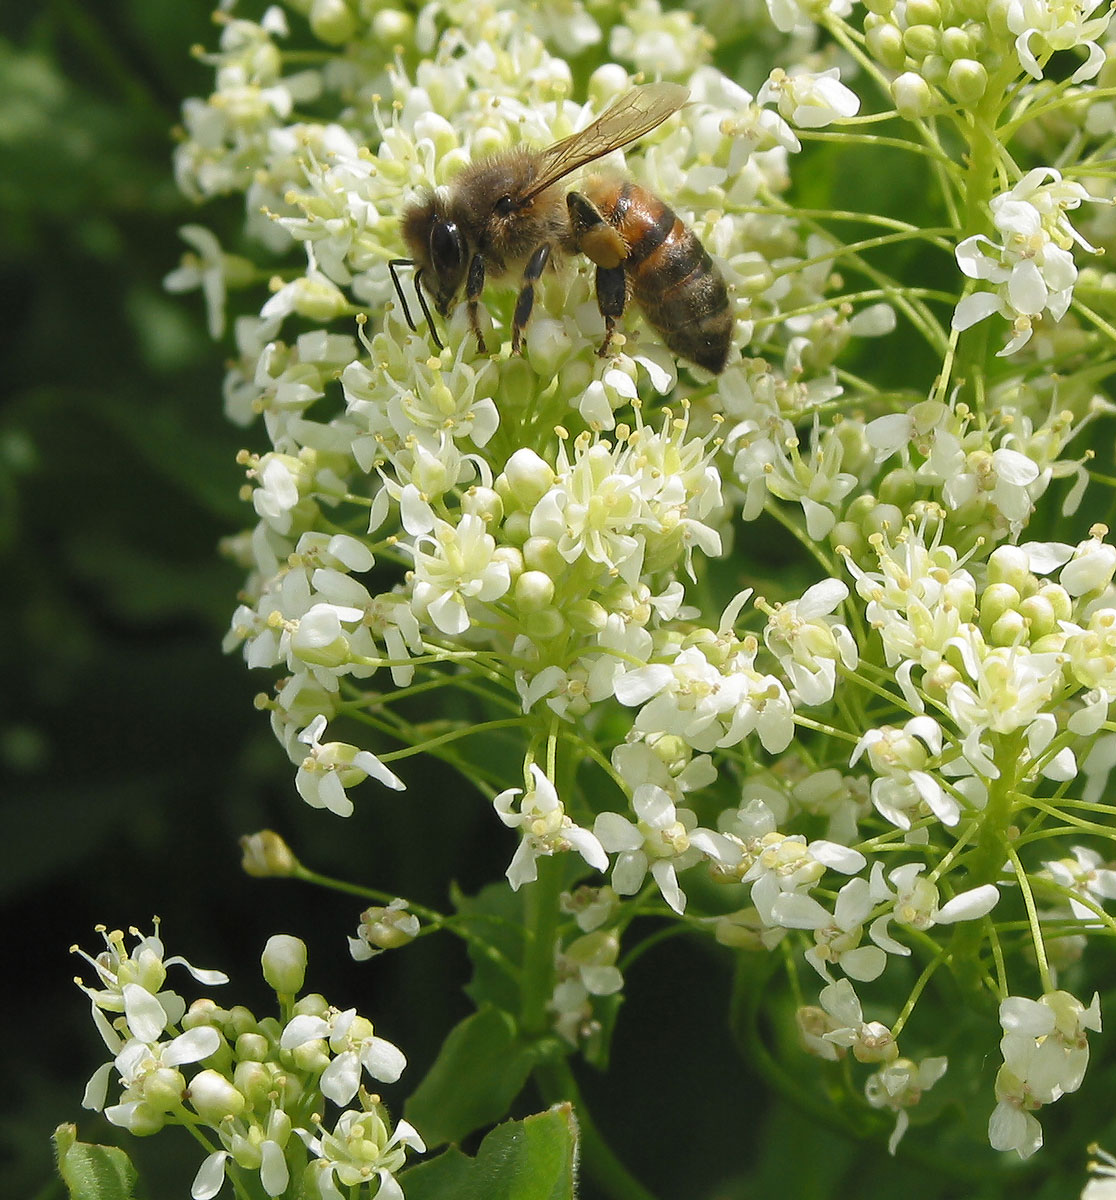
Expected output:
(533, 1159)
(479, 1071)
(93, 1172)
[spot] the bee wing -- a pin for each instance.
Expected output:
(636, 112)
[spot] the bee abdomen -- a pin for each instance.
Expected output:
(672, 277)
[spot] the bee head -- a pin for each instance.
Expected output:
(439, 249)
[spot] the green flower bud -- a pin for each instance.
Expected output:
(1058, 599)
(163, 1089)
(587, 616)
(545, 624)
(391, 27)
(1008, 629)
(252, 1047)
(924, 12)
(898, 487)
(934, 68)
(213, 1097)
(884, 518)
(1009, 564)
(997, 599)
(313, 1004)
(966, 80)
(913, 96)
(143, 1120)
(1039, 614)
(284, 964)
(254, 1080)
(332, 21)
(528, 476)
(957, 43)
(267, 855)
(921, 40)
(882, 8)
(534, 590)
(885, 44)
(541, 554)
(241, 1020)
(516, 528)
(512, 556)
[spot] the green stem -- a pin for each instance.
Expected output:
(541, 918)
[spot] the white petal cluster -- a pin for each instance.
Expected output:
(1045, 1050)
(1031, 267)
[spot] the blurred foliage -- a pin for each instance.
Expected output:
(131, 753)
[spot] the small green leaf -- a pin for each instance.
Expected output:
(93, 1172)
(533, 1159)
(479, 1071)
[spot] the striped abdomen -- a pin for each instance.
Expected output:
(671, 277)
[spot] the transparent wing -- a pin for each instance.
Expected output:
(636, 112)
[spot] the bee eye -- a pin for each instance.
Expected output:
(504, 206)
(447, 248)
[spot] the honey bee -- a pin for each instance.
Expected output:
(507, 214)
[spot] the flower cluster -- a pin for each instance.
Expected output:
(252, 1086)
(850, 756)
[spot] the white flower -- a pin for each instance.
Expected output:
(809, 643)
(1084, 875)
(1058, 25)
(899, 1086)
(355, 1046)
(459, 566)
(1032, 267)
(358, 1148)
(663, 839)
(545, 827)
(870, 1041)
(329, 769)
(810, 100)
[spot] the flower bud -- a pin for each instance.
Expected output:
(996, 599)
(543, 625)
(919, 41)
(924, 12)
(912, 95)
(966, 80)
(392, 27)
(534, 590)
(541, 554)
(485, 502)
(1040, 616)
(1007, 629)
(254, 1080)
(587, 616)
(957, 43)
(139, 1119)
(252, 1047)
(885, 44)
(284, 964)
(266, 855)
(529, 477)
(213, 1097)
(332, 21)
(163, 1089)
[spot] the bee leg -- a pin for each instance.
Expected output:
(612, 292)
(474, 285)
(526, 300)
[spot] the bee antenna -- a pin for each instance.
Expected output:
(393, 264)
